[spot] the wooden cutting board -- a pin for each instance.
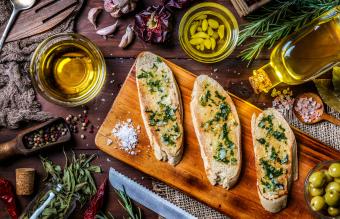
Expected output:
(189, 176)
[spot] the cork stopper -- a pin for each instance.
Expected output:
(260, 81)
(25, 181)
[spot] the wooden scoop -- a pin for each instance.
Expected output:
(42, 17)
(321, 111)
(17, 146)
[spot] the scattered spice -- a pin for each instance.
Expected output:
(7, 196)
(283, 100)
(45, 135)
(154, 24)
(127, 136)
(80, 122)
(108, 142)
(93, 14)
(96, 202)
(308, 109)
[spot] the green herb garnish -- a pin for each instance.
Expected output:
(154, 85)
(144, 74)
(125, 201)
(219, 96)
(267, 123)
(270, 171)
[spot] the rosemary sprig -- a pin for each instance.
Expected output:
(277, 20)
(102, 215)
(125, 201)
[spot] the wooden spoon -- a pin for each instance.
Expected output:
(321, 111)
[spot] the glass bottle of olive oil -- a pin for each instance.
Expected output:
(302, 56)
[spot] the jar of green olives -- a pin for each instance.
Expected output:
(322, 189)
(208, 32)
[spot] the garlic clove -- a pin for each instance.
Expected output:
(93, 14)
(128, 37)
(108, 30)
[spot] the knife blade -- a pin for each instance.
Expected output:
(146, 197)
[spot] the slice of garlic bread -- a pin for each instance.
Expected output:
(275, 158)
(218, 131)
(161, 107)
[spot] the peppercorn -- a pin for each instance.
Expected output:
(45, 135)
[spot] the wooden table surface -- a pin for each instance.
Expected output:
(232, 73)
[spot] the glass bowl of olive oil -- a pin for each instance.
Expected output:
(208, 32)
(68, 69)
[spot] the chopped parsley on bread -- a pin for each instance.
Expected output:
(161, 107)
(218, 131)
(275, 158)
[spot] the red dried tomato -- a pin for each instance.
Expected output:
(154, 24)
(7, 196)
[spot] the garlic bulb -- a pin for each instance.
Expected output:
(117, 8)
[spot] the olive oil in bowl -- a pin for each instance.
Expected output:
(68, 69)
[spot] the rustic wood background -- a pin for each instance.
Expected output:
(232, 73)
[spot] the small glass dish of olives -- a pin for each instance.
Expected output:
(208, 32)
(322, 189)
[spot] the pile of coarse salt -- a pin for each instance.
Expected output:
(308, 109)
(127, 136)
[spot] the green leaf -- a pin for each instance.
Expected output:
(95, 169)
(328, 95)
(336, 79)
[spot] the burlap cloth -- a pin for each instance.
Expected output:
(17, 98)
(324, 131)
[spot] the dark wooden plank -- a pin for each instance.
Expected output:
(110, 46)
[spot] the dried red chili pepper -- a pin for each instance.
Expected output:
(7, 195)
(154, 24)
(177, 3)
(96, 202)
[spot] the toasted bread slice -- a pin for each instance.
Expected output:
(218, 131)
(275, 158)
(161, 107)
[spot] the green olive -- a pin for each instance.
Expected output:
(334, 170)
(316, 191)
(332, 198)
(317, 203)
(329, 178)
(333, 211)
(317, 179)
(337, 179)
(333, 186)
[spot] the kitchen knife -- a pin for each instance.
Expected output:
(146, 197)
